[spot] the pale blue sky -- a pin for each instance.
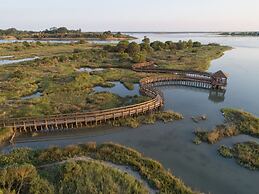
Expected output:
(132, 15)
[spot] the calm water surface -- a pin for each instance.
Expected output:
(198, 166)
(5, 61)
(119, 89)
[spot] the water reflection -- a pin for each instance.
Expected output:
(35, 95)
(8, 62)
(88, 69)
(216, 96)
(119, 89)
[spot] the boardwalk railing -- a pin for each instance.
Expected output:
(147, 87)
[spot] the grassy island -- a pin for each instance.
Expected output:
(240, 34)
(61, 33)
(53, 171)
(236, 122)
(246, 154)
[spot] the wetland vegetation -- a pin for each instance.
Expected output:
(236, 122)
(64, 89)
(61, 33)
(34, 171)
(240, 33)
(246, 154)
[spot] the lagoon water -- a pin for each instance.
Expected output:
(198, 166)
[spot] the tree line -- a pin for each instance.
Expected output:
(138, 53)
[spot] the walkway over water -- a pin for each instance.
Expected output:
(216, 81)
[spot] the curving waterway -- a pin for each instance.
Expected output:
(198, 166)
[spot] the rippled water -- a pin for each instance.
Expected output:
(198, 166)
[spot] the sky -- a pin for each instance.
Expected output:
(131, 15)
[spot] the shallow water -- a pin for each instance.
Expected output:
(88, 69)
(35, 95)
(198, 166)
(9, 61)
(119, 89)
(43, 41)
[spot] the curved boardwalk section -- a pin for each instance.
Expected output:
(148, 85)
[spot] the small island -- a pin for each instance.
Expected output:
(61, 33)
(246, 154)
(256, 34)
(236, 122)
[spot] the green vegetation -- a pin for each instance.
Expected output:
(245, 122)
(64, 89)
(236, 122)
(61, 33)
(49, 178)
(134, 122)
(246, 154)
(5, 134)
(225, 151)
(184, 55)
(240, 34)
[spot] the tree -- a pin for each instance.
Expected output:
(122, 46)
(40, 186)
(62, 30)
(133, 49)
(139, 57)
(157, 45)
(146, 40)
(189, 44)
(110, 48)
(123, 56)
(181, 45)
(196, 44)
(145, 47)
(170, 45)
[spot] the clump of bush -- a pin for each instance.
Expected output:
(236, 122)
(246, 154)
(216, 134)
(225, 151)
(5, 134)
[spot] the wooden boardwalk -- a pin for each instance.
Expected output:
(147, 87)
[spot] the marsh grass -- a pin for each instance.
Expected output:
(151, 118)
(236, 122)
(152, 171)
(5, 134)
(246, 154)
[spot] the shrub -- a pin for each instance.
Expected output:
(139, 58)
